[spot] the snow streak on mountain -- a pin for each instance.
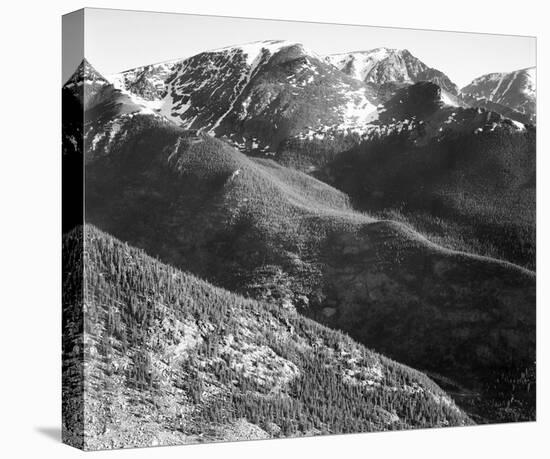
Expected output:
(516, 90)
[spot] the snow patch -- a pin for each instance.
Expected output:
(518, 125)
(447, 99)
(359, 64)
(254, 50)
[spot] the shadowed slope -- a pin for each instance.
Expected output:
(463, 177)
(204, 199)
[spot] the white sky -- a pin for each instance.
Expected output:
(117, 40)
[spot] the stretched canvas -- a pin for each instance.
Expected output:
(276, 229)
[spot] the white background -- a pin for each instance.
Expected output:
(30, 226)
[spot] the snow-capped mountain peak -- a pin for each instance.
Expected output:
(86, 82)
(150, 83)
(85, 73)
(388, 65)
(255, 92)
(516, 90)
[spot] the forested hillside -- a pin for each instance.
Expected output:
(170, 359)
(260, 229)
(469, 192)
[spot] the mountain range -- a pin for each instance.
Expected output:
(382, 70)
(279, 190)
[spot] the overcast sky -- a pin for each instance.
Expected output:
(117, 40)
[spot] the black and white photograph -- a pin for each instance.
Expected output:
(288, 229)
(275, 230)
